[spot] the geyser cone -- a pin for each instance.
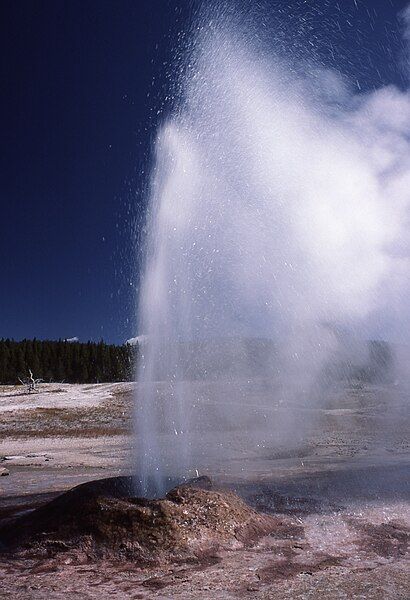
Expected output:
(101, 519)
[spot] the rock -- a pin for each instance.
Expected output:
(4, 472)
(203, 482)
(14, 457)
(102, 519)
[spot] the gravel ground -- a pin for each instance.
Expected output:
(344, 489)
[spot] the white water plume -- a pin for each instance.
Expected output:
(278, 215)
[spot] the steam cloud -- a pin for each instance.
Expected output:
(279, 205)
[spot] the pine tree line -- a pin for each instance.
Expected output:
(71, 362)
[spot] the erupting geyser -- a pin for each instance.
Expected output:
(276, 206)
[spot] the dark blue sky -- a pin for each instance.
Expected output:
(82, 87)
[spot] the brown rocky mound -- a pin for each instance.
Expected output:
(101, 519)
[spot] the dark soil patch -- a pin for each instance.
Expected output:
(285, 569)
(82, 432)
(388, 540)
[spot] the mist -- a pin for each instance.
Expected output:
(277, 243)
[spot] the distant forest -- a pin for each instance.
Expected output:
(62, 361)
(91, 362)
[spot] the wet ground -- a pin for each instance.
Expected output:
(341, 492)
